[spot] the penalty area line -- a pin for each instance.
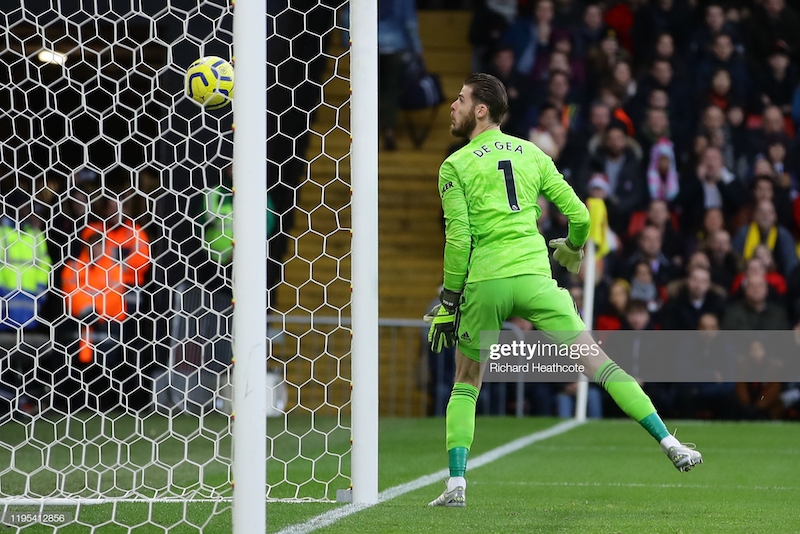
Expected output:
(332, 516)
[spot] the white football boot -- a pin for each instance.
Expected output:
(684, 456)
(452, 498)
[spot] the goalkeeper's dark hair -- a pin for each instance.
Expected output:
(488, 90)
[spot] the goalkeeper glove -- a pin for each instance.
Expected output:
(443, 319)
(567, 254)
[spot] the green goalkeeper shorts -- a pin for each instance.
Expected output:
(486, 305)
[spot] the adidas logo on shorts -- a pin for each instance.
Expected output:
(465, 337)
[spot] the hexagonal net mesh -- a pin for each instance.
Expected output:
(116, 249)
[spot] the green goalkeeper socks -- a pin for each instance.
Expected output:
(460, 426)
(457, 457)
(653, 424)
(629, 396)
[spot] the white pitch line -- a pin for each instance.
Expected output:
(641, 448)
(332, 516)
(642, 485)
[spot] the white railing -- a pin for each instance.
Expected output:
(405, 340)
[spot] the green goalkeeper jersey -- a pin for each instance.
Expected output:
(489, 191)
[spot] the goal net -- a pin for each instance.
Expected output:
(116, 284)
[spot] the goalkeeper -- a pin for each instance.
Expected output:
(489, 190)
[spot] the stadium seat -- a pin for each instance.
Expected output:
(636, 223)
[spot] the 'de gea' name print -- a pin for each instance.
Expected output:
(506, 146)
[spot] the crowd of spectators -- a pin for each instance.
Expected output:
(682, 117)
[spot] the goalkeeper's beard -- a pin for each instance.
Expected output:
(466, 127)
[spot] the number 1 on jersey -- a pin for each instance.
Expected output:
(511, 188)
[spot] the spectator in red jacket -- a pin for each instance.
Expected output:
(761, 264)
(612, 316)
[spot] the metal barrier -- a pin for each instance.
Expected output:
(197, 378)
(405, 368)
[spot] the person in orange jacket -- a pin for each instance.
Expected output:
(115, 260)
(125, 241)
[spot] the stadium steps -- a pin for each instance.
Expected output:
(318, 269)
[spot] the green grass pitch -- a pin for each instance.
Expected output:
(605, 477)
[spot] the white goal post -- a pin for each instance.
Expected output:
(250, 276)
(364, 104)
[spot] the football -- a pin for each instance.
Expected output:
(209, 82)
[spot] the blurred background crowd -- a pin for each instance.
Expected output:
(681, 116)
